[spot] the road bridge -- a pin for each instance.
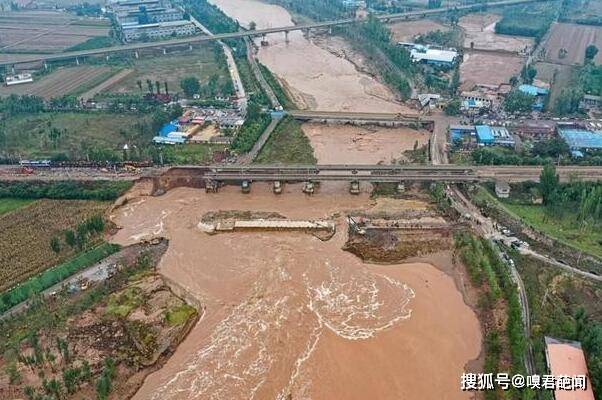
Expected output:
(406, 119)
(163, 44)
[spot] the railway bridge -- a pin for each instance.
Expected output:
(215, 176)
(413, 120)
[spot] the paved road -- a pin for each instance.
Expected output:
(241, 95)
(96, 273)
(251, 155)
(259, 32)
(488, 229)
(438, 142)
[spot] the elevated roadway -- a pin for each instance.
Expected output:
(349, 116)
(250, 33)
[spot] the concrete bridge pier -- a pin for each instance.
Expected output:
(76, 60)
(308, 187)
(400, 188)
(354, 187)
(305, 33)
(164, 51)
(277, 187)
(12, 68)
(190, 47)
(136, 54)
(211, 186)
(107, 57)
(245, 186)
(330, 30)
(286, 40)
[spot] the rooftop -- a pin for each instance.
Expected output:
(155, 24)
(567, 358)
(533, 90)
(419, 54)
(582, 139)
(484, 133)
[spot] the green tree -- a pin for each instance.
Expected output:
(568, 101)
(551, 148)
(518, 101)
(70, 237)
(14, 376)
(103, 387)
(453, 107)
(86, 372)
(590, 53)
(528, 73)
(149, 85)
(190, 86)
(71, 379)
(55, 244)
(549, 184)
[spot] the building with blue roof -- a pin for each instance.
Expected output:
(461, 132)
(484, 135)
(168, 140)
(533, 90)
(167, 129)
(581, 139)
(539, 92)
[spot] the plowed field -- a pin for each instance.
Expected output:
(574, 39)
(63, 81)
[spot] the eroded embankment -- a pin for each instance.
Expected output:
(290, 315)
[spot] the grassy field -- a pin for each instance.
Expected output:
(79, 135)
(202, 63)
(26, 234)
(287, 145)
(8, 205)
(199, 153)
(562, 227)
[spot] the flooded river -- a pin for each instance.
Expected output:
(316, 78)
(289, 314)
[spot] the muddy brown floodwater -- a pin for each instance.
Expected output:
(346, 144)
(316, 78)
(288, 314)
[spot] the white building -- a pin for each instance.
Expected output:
(157, 30)
(433, 56)
(18, 79)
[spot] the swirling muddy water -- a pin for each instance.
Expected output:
(289, 314)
